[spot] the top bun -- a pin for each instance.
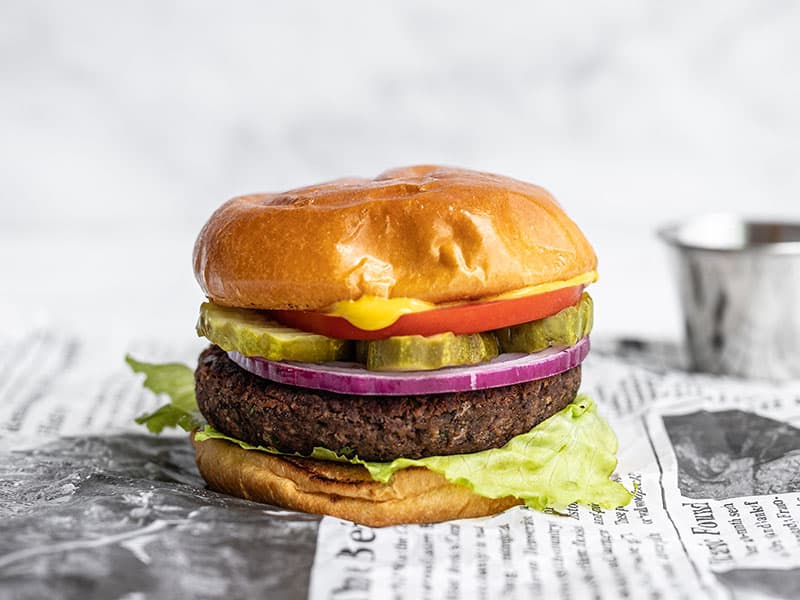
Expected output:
(433, 233)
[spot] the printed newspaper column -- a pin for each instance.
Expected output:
(55, 383)
(729, 454)
(584, 553)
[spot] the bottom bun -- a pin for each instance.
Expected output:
(343, 490)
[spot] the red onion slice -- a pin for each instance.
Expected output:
(352, 378)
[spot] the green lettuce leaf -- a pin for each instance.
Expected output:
(176, 381)
(567, 458)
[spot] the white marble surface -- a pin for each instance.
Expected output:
(121, 128)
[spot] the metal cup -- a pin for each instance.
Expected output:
(739, 284)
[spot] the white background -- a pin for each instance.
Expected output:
(123, 127)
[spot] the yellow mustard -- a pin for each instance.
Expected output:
(372, 312)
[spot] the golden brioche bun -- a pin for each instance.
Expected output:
(341, 490)
(434, 233)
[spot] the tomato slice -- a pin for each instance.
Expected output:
(471, 317)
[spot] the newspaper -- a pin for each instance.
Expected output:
(91, 506)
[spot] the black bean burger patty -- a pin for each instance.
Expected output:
(375, 428)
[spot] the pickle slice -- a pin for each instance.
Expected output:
(564, 328)
(423, 353)
(252, 333)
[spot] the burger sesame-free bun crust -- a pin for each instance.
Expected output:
(341, 490)
(433, 233)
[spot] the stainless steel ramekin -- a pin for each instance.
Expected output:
(739, 283)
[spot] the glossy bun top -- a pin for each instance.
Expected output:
(438, 234)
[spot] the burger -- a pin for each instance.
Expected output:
(403, 349)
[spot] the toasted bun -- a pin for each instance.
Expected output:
(433, 233)
(341, 490)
